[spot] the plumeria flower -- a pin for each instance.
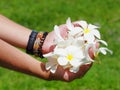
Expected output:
(61, 42)
(73, 51)
(90, 31)
(73, 31)
(70, 56)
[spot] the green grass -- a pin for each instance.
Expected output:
(43, 15)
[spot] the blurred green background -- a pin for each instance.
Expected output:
(43, 15)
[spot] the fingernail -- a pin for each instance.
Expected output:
(66, 76)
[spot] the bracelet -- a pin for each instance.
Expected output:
(41, 44)
(37, 43)
(37, 48)
(32, 38)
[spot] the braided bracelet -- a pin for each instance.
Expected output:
(37, 48)
(35, 43)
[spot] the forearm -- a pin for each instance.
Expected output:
(12, 58)
(13, 33)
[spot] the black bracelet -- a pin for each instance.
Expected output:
(41, 44)
(32, 37)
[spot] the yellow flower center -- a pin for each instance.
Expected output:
(70, 57)
(86, 31)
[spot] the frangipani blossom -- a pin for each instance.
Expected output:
(73, 51)
(73, 31)
(70, 55)
(90, 31)
(61, 42)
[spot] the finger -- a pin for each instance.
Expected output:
(63, 30)
(82, 71)
(76, 24)
(58, 75)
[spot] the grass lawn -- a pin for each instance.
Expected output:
(43, 15)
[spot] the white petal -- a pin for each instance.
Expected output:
(86, 61)
(69, 24)
(79, 55)
(104, 50)
(60, 52)
(90, 26)
(96, 33)
(79, 42)
(48, 65)
(83, 24)
(66, 43)
(74, 69)
(62, 61)
(57, 33)
(48, 54)
(103, 42)
(53, 68)
(71, 48)
(89, 37)
(78, 29)
(75, 62)
(51, 62)
(75, 31)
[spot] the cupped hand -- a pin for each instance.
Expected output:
(64, 74)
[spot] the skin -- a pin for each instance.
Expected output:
(13, 35)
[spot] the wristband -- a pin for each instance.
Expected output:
(32, 38)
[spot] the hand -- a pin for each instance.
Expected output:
(64, 74)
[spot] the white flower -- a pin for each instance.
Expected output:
(90, 31)
(73, 31)
(73, 51)
(61, 42)
(70, 56)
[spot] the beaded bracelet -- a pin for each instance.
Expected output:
(35, 43)
(37, 48)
